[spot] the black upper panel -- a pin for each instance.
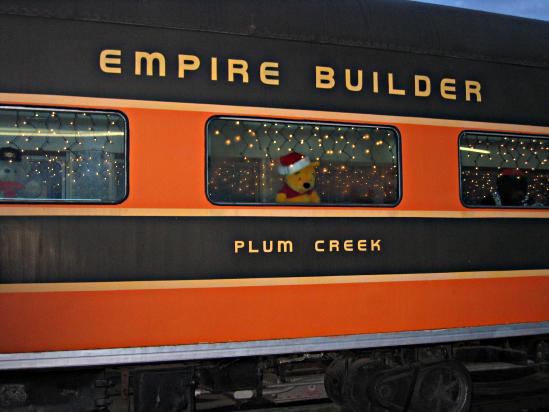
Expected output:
(381, 24)
(55, 49)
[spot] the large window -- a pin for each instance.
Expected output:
(254, 161)
(51, 155)
(504, 170)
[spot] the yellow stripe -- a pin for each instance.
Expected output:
(98, 103)
(7, 210)
(232, 283)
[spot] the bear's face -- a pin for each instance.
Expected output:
(10, 172)
(303, 180)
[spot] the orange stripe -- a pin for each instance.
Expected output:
(170, 186)
(110, 319)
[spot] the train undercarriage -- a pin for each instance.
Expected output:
(496, 375)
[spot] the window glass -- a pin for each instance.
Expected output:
(283, 162)
(500, 170)
(62, 156)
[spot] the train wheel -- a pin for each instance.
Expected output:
(334, 377)
(356, 390)
(444, 387)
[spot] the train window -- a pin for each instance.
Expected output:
(62, 156)
(504, 170)
(254, 161)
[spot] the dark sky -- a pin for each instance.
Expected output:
(534, 9)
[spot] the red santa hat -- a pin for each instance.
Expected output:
(511, 172)
(293, 162)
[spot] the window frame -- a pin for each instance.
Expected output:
(398, 151)
(78, 110)
(497, 134)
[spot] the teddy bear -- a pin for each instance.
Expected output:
(12, 176)
(299, 179)
(10, 173)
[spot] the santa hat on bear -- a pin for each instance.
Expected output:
(511, 172)
(293, 162)
(512, 179)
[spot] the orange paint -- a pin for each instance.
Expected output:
(173, 142)
(87, 320)
(167, 170)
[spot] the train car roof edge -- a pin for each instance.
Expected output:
(397, 25)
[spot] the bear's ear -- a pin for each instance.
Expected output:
(315, 164)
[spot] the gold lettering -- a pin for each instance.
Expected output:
(285, 246)
(268, 73)
(362, 245)
(214, 69)
(334, 246)
(318, 247)
(108, 58)
(424, 91)
(238, 244)
(448, 88)
(238, 66)
(375, 82)
(472, 87)
(348, 83)
(251, 247)
(267, 249)
(187, 62)
(348, 246)
(392, 89)
(150, 58)
(375, 245)
(325, 77)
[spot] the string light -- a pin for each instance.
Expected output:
(353, 169)
(62, 153)
(479, 173)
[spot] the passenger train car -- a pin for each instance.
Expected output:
(223, 204)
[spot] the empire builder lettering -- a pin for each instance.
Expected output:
(153, 64)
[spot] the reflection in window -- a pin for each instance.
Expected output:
(62, 156)
(504, 170)
(268, 162)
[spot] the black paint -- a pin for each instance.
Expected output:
(51, 56)
(71, 249)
